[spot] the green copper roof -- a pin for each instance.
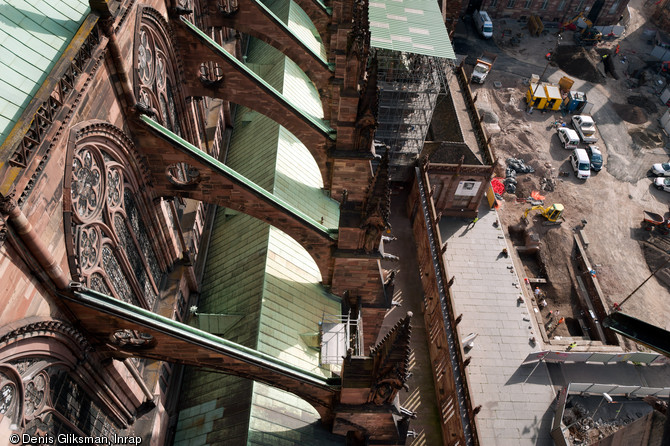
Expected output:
(260, 272)
(298, 24)
(33, 36)
(412, 26)
(320, 124)
(132, 313)
(230, 173)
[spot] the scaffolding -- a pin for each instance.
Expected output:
(410, 86)
(339, 334)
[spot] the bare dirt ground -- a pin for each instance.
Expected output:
(612, 200)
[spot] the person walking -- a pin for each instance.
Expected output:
(571, 346)
(473, 222)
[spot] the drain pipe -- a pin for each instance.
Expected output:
(133, 371)
(107, 26)
(10, 208)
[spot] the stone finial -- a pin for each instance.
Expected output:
(7, 202)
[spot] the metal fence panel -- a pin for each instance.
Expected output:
(644, 391)
(645, 358)
(535, 356)
(579, 387)
(579, 356)
(623, 390)
(665, 393)
(621, 357)
(602, 388)
(601, 357)
(659, 52)
(557, 356)
(661, 360)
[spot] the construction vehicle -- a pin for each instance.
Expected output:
(483, 67)
(652, 219)
(588, 36)
(552, 213)
(577, 22)
(585, 33)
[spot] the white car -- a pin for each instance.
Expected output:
(661, 169)
(568, 138)
(662, 184)
(580, 164)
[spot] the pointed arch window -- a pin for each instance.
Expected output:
(154, 77)
(54, 403)
(112, 249)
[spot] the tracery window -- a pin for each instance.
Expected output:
(155, 80)
(55, 404)
(111, 243)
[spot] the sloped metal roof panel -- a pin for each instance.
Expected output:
(33, 36)
(412, 26)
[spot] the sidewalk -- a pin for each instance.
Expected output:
(485, 291)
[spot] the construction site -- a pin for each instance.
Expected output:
(585, 254)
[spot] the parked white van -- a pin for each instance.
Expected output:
(483, 24)
(568, 137)
(580, 163)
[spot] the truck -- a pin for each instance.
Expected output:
(483, 67)
(585, 127)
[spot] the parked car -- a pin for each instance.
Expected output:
(662, 184)
(586, 128)
(596, 157)
(483, 24)
(568, 137)
(661, 169)
(580, 164)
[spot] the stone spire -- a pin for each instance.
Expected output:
(377, 206)
(391, 362)
(358, 42)
(368, 110)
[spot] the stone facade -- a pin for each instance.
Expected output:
(105, 185)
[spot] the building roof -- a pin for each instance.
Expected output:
(413, 26)
(33, 36)
(552, 91)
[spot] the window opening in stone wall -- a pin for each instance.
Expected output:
(154, 76)
(111, 241)
(54, 403)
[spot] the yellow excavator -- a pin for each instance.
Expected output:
(585, 33)
(552, 213)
